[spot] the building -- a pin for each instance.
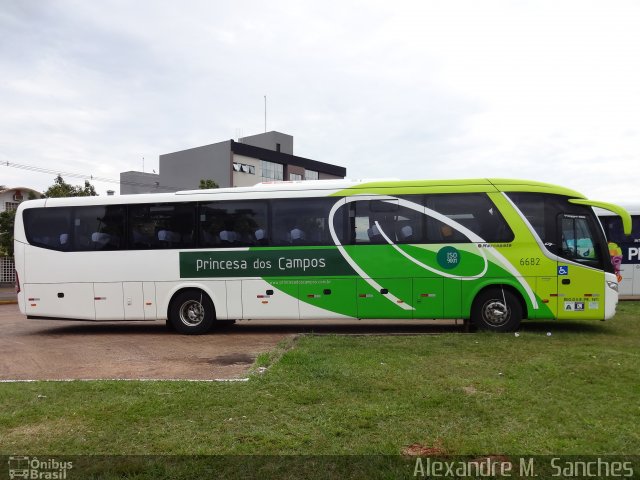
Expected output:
(10, 198)
(254, 159)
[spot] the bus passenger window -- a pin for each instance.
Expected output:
(388, 221)
(98, 227)
(305, 221)
(229, 224)
(469, 212)
(163, 225)
(48, 227)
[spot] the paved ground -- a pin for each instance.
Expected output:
(52, 350)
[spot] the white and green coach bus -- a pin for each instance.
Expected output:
(490, 251)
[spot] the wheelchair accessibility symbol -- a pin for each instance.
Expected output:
(563, 270)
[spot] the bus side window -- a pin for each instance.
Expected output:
(384, 221)
(473, 211)
(305, 221)
(48, 227)
(98, 228)
(233, 224)
(613, 229)
(162, 225)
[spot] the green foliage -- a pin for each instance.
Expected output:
(7, 219)
(207, 183)
(60, 188)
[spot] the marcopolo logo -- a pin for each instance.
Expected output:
(41, 469)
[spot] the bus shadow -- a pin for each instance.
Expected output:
(587, 326)
(352, 328)
(260, 327)
(91, 328)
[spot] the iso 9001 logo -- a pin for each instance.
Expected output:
(35, 468)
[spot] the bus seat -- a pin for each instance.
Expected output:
(374, 234)
(296, 235)
(168, 236)
(405, 233)
(100, 239)
(261, 236)
(228, 236)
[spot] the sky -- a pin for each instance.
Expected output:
(543, 90)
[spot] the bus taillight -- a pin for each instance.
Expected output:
(17, 283)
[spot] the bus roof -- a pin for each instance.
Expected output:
(481, 184)
(328, 187)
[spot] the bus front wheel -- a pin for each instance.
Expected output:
(497, 310)
(191, 312)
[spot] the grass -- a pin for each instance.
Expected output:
(573, 392)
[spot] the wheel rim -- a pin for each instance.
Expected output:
(496, 313)
(192, 313)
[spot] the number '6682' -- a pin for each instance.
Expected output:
(530, 262)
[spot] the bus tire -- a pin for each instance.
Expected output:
(192, 312)
(496, 310)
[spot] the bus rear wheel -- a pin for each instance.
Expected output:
(192, 312)
(496, 310)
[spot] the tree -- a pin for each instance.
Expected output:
(207, 183)
(7, 219)
(60, 188)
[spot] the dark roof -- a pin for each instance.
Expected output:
(285, 158)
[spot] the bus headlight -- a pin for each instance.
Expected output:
(613, 285)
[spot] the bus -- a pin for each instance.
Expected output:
(624, 250)
(492, 252)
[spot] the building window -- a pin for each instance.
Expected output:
(310, 175)
(244, 168)
(295, 176)
(272, 171)
(8, 206)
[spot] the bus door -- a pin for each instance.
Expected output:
(580, 288)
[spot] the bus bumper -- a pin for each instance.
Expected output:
(610, 295)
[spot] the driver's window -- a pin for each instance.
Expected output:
(577, 239)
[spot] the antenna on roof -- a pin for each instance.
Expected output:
(265, 114)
